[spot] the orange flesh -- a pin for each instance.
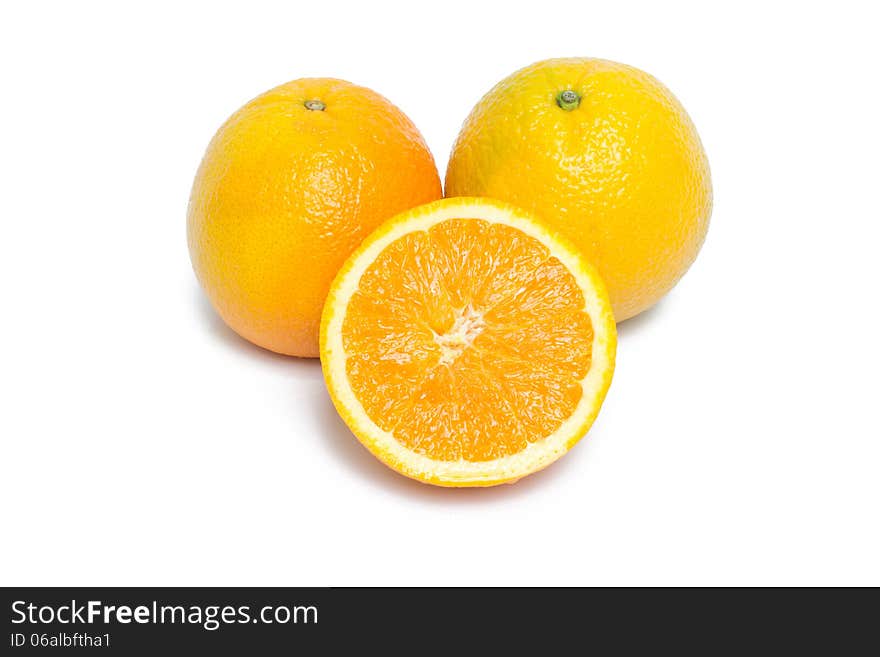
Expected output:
(468, 341)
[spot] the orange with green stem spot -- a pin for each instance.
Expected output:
(607, 156)
(289, 186)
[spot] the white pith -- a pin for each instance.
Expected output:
(467, 326)
(538, 454)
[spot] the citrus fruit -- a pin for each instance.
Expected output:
(465, 344)
(288, 187)
(606, 155)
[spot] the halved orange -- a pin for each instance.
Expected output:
(465, 344)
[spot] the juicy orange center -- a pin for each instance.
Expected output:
(467, 341)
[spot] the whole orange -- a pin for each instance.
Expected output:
(289, 186)
(603, 153)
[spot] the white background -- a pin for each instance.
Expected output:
(145, 443)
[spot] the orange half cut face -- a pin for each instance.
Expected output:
(465, 345)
